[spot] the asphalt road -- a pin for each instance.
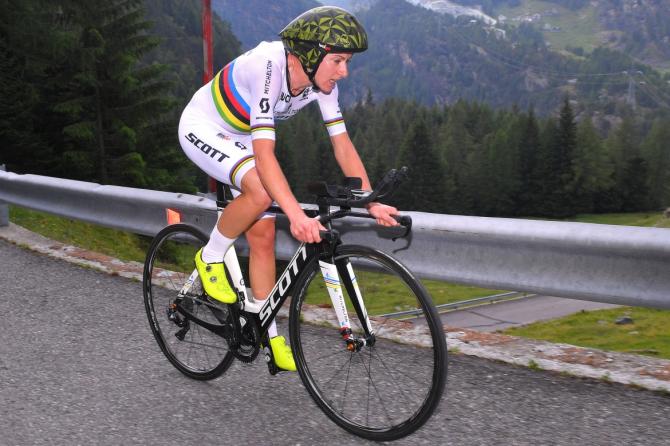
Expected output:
(79, 365)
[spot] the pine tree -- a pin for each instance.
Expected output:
(634, 186)
(424, 190)
(565, 147)
(555, 165)
(456, 148)
(657, 154)
(623, 147)
(592, 170)
(503, 157)
(547, 199)
(530, 178)
(114, 109)
(25, 56)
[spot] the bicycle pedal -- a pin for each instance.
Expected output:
(267, 352)
(269, 359)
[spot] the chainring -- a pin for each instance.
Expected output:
(249, 340)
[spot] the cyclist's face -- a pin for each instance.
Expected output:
(333, 68)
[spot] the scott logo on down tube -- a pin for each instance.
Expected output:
(283, 285)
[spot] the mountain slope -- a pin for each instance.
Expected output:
(253, 21)
(639, 28)
(434, 58)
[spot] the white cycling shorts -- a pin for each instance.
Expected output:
(222, 156)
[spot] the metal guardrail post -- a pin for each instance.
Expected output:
(4, 207)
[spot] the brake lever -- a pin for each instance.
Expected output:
(406, 222)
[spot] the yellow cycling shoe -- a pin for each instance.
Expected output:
(215, 280)
(282, 354)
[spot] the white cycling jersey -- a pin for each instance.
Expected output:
(241, 104)
(252, 91)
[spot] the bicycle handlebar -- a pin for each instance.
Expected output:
(350, 195)
(346, 197)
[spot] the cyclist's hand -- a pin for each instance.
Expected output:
(306, 229)
(383, 214)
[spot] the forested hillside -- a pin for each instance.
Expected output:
(439, 59)
(256, 20)
(469, 159)
(95, 95)
(418, 54)
(489, 123)
(178, 25)
(640, 28)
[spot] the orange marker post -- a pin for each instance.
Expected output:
(173, 216)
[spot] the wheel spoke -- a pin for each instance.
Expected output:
(368, 371)
(387, 389)
(200, 354)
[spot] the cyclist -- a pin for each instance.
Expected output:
(228, 130)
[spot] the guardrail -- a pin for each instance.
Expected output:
(604, 263)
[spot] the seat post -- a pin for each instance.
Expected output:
(223, 194)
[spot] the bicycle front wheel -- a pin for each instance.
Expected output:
(390, 385)
(192, 349)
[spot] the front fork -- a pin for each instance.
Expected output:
(338, 273)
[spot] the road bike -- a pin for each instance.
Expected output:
(374, 373)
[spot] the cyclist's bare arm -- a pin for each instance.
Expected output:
(348, 159)
(352, 166)
(269, 171)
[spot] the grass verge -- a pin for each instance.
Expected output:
(649, 219)
(119, 244)
(647, 334)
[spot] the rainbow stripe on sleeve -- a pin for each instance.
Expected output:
(334, 122)
(261, 127)
(231, 106)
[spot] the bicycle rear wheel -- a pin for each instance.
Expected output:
(192, 349)
(391, 386)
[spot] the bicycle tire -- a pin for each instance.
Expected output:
(198, 353)
(403, 374)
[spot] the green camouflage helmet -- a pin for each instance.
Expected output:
(322, 30)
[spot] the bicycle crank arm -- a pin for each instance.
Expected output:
(224, 330)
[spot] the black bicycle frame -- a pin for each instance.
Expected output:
(286, 283)
(305, 254)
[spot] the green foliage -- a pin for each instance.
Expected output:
(592, 169)
(648, 335)
(469, 159)
(90, 96)
(275, 15)
(426, 178)
(119, 244)
(655, 151)
(438, 59)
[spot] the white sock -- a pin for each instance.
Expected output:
(217, 247)
(272, 329)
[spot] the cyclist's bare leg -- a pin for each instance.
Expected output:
(241, 216)
(243, 211)
(261, 238)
